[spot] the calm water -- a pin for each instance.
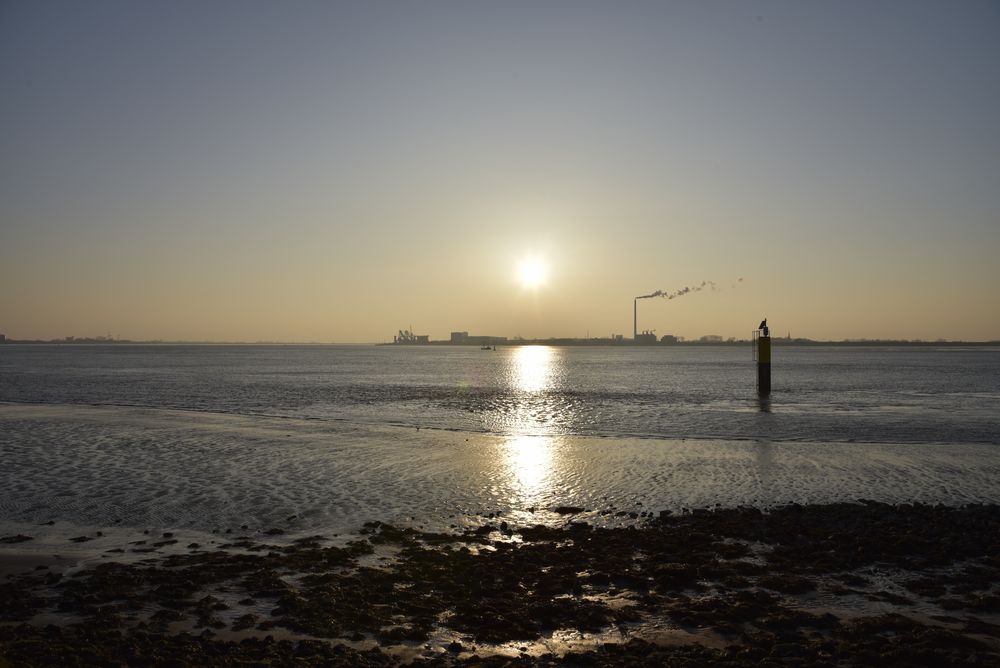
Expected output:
(903, 395)
(213, 435)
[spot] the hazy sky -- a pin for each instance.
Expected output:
(336, 171)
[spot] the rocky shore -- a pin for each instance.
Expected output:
(825, 585)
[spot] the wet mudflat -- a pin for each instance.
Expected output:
(838, 584)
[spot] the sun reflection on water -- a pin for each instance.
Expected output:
(533, 368)
(531, 455)
(529, 461)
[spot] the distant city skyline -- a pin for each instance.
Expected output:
(244, 171)
(643, 339)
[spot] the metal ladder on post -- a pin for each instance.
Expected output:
(754, 335)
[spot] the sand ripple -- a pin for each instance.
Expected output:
(138, 467)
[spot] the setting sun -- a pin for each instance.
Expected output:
(532, 272)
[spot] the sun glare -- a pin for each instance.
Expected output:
(532, 272)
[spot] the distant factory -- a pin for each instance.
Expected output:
(646, 338)
(465, 339)
(405, 337)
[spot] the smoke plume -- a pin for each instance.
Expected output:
(705, 285)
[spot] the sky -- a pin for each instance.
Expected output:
(337, 171)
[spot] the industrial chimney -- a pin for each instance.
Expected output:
(635, 319)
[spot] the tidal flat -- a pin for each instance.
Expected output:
(846, 583)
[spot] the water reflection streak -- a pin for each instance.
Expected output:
(531, 456)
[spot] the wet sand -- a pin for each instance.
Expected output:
(107, 466)
(848, 583)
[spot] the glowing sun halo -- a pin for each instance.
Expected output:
(532, 272)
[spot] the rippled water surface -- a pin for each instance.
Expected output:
(210, 435)
(903, 395)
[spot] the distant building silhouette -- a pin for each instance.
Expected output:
(406, 337)
(466, 339)
(646, 338)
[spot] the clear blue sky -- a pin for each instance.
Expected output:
(337, 171)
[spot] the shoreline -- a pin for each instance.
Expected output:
(799, 584)
(171, 469)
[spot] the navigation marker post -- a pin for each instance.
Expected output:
(762, 355)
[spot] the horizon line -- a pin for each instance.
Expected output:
(501, 341)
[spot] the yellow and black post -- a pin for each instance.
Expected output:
(764, 365)
(763, 354)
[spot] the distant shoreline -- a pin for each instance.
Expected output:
(601, 343)
(681, 344)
